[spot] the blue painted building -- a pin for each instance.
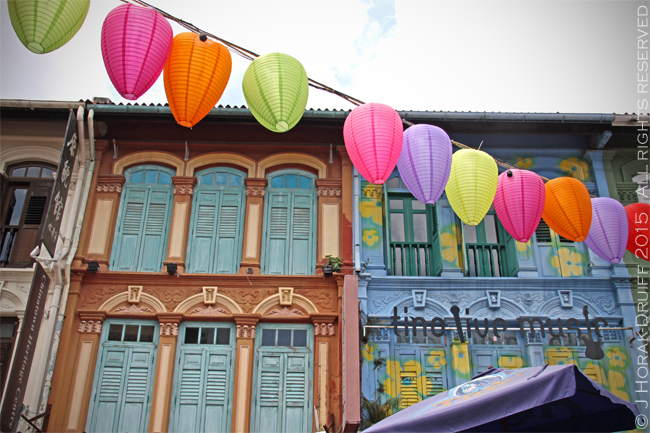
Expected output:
(418, 263)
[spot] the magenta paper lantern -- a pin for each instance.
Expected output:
(519, 202)
(135, 45)
(373, 136)
(425, 161)
(609, 229)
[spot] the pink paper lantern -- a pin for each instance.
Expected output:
(425, 162)
(135, 45)
(609, 229)
(519, 202)
(373, 136)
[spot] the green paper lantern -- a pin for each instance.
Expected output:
(276, 89)
(43, 26)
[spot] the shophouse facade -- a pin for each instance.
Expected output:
(198, 301)
(420, 262)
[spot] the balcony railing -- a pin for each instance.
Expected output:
(485, 260)
(411, 259)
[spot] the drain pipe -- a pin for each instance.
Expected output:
(69, 249)
(356, 186)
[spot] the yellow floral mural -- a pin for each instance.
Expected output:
(460, 357)
(437, 359)
(595, 372)
(617, 385)
(559, 356)
(510, 361)
(371, 209)
(616, 358)
(568, 262)
(368, 351)
(523, 246)
(410, 375)
(524, 163)
(449, 244)
(575, 168)
(370, 237)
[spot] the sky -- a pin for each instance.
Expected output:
(569, 56)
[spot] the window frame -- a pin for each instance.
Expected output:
(507, 250)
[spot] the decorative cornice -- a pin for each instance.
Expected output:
(329, 187)
(329, 192)
(110, 183)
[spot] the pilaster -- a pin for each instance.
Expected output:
(162, 389)
(329, 221)
(347, 213)
(253, 225)
(180, 225)
(324, 342)
(246, 324)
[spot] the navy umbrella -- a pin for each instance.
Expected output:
(557, 398)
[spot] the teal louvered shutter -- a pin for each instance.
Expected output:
(296, 402)
(301, 251)
(436, 249)
(276, 249)
(104, 416)
(268, 411)
(126, 246)
(228, 242)
(156, 230)
(511, 265)
(134, 413)
(189, 400)
(204, 228)
(218, 391)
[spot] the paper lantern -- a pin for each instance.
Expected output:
(135, 45)
(567, 209)
(638, 217)
(472, 184)
(373, 135)
(609, 229)
(425, 161)
(276, 88)
(43, 26)
(195, 76)
(519, 202)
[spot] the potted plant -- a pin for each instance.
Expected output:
(333, 265)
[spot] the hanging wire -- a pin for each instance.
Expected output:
(250, 55)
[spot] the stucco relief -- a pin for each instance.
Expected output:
(170, 329)
(285, 312)
(208, 311)
(90, 327)
(171, 297)
(133, 309)
(378, 302)
(324, 299)
(93, 298)
(248, 299)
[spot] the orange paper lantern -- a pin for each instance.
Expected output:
(567, 209)
(196, 74)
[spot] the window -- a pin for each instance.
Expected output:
(414, 245)
(217, 218)
(8, 327)
(143, 222)
(490, 251)
(289, 243)
(25, 199)
(565, 257)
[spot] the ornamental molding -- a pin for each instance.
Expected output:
(109, 187)
(169, 329)
(209, 311)
(133, 310)
(255, 191)
(245, 331)
(183, 190)
(285, 312)
(90, 327)
(329, 192)
(324, 329)
(374, 192)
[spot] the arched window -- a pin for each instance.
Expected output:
(142, 228)
(289, 243)
(24, 201)
(217, 218)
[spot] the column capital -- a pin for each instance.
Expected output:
(255, 186)
(329, 187)
(91, 322)
(184, 185)
(169, 323)
(110, 183)
(246, 324)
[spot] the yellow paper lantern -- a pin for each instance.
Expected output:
(472, 184)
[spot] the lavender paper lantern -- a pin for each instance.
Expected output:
(519, 202)
(609, 229)
(135, 45)
(425, 161)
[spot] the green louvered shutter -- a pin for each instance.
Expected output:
(154, 242)
(228, 242)
(436, 249)
(511, 265)
(126, 246)
(301, 251)
(276, 249)
(204, 227)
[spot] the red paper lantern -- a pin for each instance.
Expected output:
(638, 215)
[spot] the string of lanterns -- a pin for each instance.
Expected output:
(138, 44)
